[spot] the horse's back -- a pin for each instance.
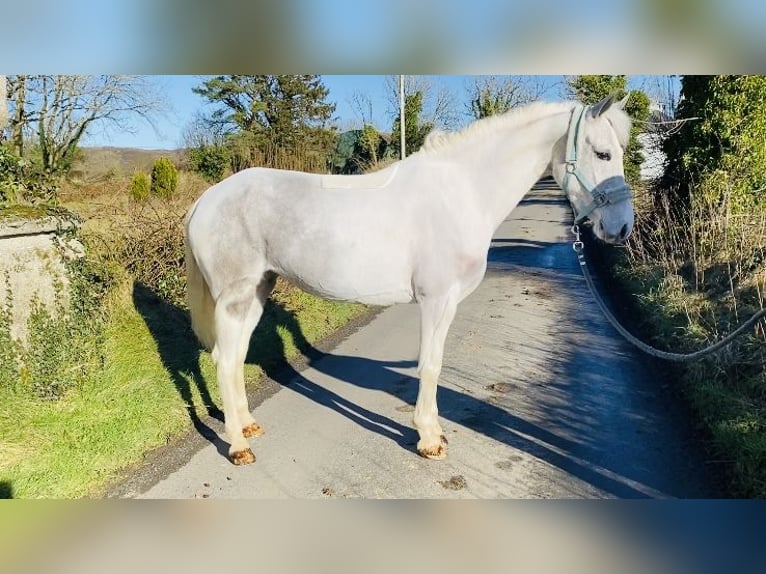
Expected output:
(337, 243)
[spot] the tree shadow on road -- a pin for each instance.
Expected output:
(459, 408)
(462, 409)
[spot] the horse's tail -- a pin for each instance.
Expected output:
(198, 296)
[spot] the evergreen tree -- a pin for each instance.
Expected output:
(415, 129)
(273, 113)
(723, 139)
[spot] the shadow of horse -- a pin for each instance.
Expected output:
(459, 408)
(180, 353)
(267, 349)
(180, 350)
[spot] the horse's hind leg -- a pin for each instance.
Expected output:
(436, 315)
(237, 311)
(250, 428)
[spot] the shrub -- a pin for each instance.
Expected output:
(696, 262)
(65, 343)
(11, 175)
(210, 161)
(164, 178)
(22, 182)
(9, 352)
(722, 139)
(139, 186)
(152, 251)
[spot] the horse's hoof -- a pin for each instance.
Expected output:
(252, 430)
(438, 452)
(241, 457)
(444, 440)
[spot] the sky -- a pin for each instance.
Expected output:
(185, 104)
(537, 36)
(167, 133)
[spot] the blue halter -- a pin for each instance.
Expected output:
(601, 196)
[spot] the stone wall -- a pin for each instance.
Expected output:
(32, 265)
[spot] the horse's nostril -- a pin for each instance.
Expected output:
(624, 232)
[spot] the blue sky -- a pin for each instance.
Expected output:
(184, 104)
(346, 36)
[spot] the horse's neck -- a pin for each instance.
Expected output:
(507, 165)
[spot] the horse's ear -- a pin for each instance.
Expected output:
(621, 104)
(599, 108)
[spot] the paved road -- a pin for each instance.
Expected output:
(539, 397)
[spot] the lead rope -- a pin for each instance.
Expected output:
(579, 249)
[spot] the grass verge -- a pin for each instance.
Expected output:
(146, 380)
(153, 383)
(691, 287)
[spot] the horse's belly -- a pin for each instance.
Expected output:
(370, 289)
(387, 298)
(358, 260)
(369, 295)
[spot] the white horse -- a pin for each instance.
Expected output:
(418, 230)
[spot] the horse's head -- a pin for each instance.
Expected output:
(588, 166)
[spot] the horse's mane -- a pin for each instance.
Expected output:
(438, 140)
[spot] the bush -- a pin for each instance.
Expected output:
(696, 263)
(65, 343)
(9, 351)
(164, 178)
(209, 161)
(139, 186)
(722, 139)
(11, 175)
(21, 182)
(152, 251)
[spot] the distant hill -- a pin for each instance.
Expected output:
(99, 162)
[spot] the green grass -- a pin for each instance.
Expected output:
(146, 380)
(154, 380)
(726, 391)
(27, 212)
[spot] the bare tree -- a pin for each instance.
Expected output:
(361, 105)
(201, 131)
(491, 95)
(59, 110)
(369, 137)
(17, 96)
(3, 106)
(663, 91)
(439, 104)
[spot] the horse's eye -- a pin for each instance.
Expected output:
(605, 155)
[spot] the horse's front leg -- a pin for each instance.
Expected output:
(436, 315)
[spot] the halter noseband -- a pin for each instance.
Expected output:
(601, 196)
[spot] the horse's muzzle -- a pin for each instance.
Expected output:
(614, 236)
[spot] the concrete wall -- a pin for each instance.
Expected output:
(33, 265)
